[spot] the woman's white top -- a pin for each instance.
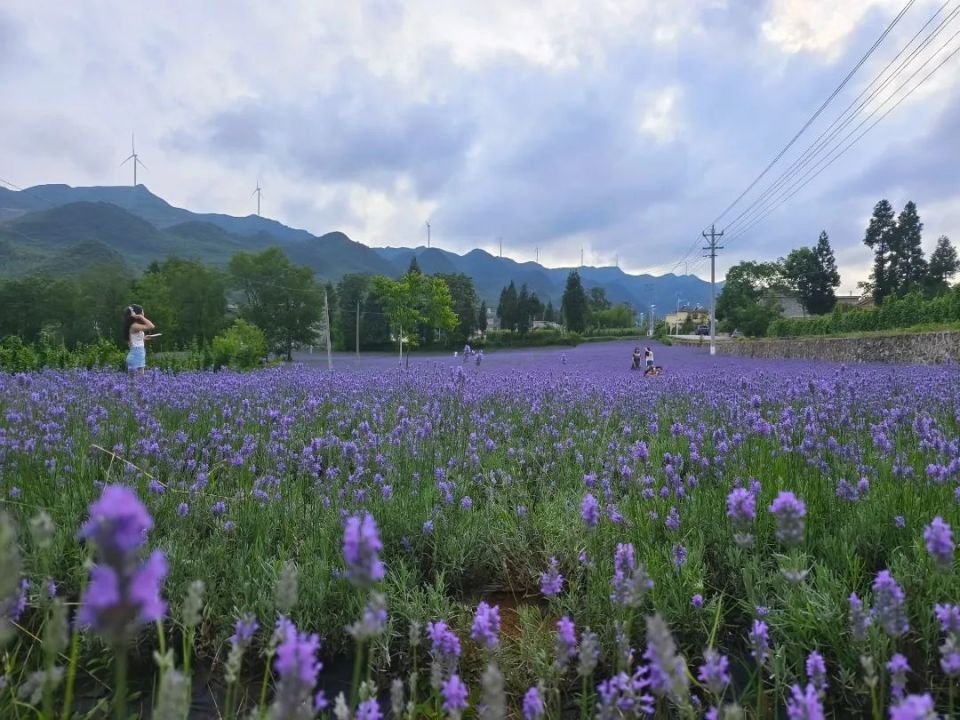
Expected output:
(136, 339)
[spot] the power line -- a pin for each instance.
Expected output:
(712, 248)
(809, 178)
(820, 110)
(842, 122)
(810, 121)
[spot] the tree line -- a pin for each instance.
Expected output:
(192, 304)
(753, 291)
(580, 309)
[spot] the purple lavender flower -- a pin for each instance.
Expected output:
(741, 508)
(486, 625)
(444, 642)
(900, 521)
(297, 668)
(890, 604)
(361, 548)
(789, 511)
(551, 582)
(939, 540)
(804, 704)
(454, 695)
(566, 643)
(369, 710)
(630, 582)
(373, 620)
(118, 524)
(466, 502)
(713, 673)
(244, 630)
(860, 618)
(679, 555)
(898, 668)
(697, 601)
(672, 520)
(590, 511)
(532, 705)
(760, 641)
(914, 707)
(668, 669)
(625, 696)
(949, 618)
(123, 594)
(817, 671)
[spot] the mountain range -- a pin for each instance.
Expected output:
(60, 229)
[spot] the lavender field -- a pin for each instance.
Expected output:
(547, 534)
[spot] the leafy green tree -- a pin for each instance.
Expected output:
(280, 298)
(374, 322)
(597, 298)
(879, 238)
(747, 301)
(351, 293)
(550, 315)
(574, 306)
(416, 299)
(620, 315)
(908, 267)
(482, 317)
(812, 275)
(465, 301)
(942, 267)
(241, 346)
(508, 307)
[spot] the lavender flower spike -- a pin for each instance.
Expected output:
(789, 511)
(361, 548)
(939, 540)
(890, 605)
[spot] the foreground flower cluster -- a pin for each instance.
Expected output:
(551, 537)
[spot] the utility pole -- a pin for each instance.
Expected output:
(712, 250)
(358, 329)
(501, 245)
(428, 233)
(616, 260)
(326, 314)
(653, 316)
(538, 254)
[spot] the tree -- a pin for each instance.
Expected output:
(598, 299)
(617, 316)
(280, 298)
(908, 267)
(812, 275)
(465, 302)
(414, 266)
(508, 307)
(942, 267)
(416, 299)
(185, 299)
(482, 317)
(574, 304)
(550, 315)
(352, 292)
(879, 237)
(746, 302)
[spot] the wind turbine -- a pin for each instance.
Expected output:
(135, 158)
(428, 233)
(257, 192)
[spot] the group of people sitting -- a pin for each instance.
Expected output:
(646, 357)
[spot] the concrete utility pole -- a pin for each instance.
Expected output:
(358, 329)
(581, 257)
(712, 250)
(326, 315)
(653, 316)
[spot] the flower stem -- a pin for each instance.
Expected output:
(357, 668)
(263, 684)
(120, 689)
(584, 708)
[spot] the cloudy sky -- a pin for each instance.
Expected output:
(620, 126)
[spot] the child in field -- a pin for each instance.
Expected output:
(479, 356)
(135, 327)
(636, 358)
(649, 357)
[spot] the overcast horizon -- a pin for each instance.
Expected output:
(621, 127)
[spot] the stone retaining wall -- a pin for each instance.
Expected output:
(914, 348)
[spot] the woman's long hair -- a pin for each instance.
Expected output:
(128, 314)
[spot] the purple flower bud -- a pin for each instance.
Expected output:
(361, 548)
(532, 705)
(486, 625)
(817, 671)
(860, 618)
(713, 673)
(760, 641)
(590, 511)
(454, 694)
(939, 539)
(898, 667)
(890, 604)
(804, 704)
(789, 511)
(914, 707)
(551, 582)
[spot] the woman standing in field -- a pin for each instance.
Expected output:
(135, 327)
